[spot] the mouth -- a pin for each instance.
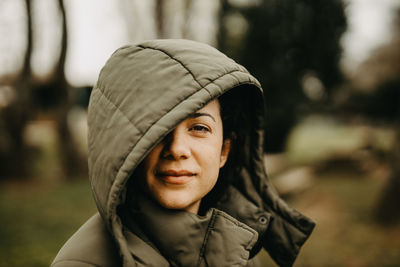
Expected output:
(176, 177)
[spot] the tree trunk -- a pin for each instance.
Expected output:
(387, 210)
(159, 16)
(14, 154)
(73, 162)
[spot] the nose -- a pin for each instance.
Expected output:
(176, 146)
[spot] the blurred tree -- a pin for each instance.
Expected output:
(376, 96)
(172, 18)
(189, 19)
(381, 104)
(15, 115)
(55, 94)
(387, 210)
(73, 162)
(31, 95)
(292, 47)
(139, 19)
(159, 15)
(382, 66)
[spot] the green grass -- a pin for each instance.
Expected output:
(36, 219)
(346, 234)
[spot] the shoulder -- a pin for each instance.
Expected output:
(91, 245)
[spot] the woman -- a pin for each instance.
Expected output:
(176, 165)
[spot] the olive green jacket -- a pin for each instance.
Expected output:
(143, 92)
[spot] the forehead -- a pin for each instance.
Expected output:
(211, 110)
(212, 106)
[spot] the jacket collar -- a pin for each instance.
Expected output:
(185, 239)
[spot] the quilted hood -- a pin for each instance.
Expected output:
(143, 92)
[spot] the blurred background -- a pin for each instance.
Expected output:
(331, 75)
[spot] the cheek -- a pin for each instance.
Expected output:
(151, 160)
(150, 164)
(210, 160)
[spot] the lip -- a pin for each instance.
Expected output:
(177, 177)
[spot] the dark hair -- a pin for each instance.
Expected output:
(235, 125)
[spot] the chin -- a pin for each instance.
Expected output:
(174, 206)
(175, 202)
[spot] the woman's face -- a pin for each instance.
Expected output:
(184, 167)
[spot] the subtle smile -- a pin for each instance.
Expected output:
(175, 177)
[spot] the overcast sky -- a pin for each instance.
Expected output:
(369, 23)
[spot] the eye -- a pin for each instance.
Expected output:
(199, 128)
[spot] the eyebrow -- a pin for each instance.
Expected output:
(199, 114)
